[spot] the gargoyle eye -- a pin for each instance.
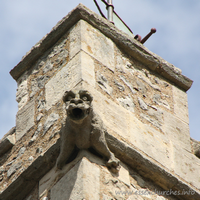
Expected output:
(69, 98)
(84, 98)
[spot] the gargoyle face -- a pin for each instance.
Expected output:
(78, 104)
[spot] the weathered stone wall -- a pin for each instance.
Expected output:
(90, 179)
(139, 107)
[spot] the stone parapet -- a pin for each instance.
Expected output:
(126, 42)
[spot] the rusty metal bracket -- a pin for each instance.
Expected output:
(111, 13)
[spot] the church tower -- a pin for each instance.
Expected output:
(99, 117)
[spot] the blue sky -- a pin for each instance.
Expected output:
(24, 22)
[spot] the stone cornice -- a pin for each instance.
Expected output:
(123, 40)
(137, 160)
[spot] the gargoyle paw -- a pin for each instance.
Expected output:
(113, 165)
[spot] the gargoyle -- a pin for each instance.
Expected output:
(83, 129)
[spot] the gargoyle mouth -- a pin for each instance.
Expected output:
(78, 113)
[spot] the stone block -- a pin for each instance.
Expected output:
(13, 169)
(142, 104)
(49, 122)
(81, 67)
(103, 83)
(75, 39)
(150, 141)
(81, 182)
(64, 80)
(106, 197)
(25, 119)
(54, 175)
(186, 165)
(129, 85)
(180, 104)
(22, 92)
(84, 37)
(122, 177)
(127, 102)
(37, 84)
(87, 68)
(113, 115)
(124, 174)
(7, 144)
(176, 130)
(136, 197)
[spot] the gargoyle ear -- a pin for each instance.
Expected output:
(68, 95)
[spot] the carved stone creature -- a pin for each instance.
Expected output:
(83, 129)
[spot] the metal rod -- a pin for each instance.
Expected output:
(97, 5)
(104, 1)
(110, 8)
(153, 30)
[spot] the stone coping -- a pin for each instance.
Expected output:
(135, 159)
(124, 41)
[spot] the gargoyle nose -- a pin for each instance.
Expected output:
(76, 101)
